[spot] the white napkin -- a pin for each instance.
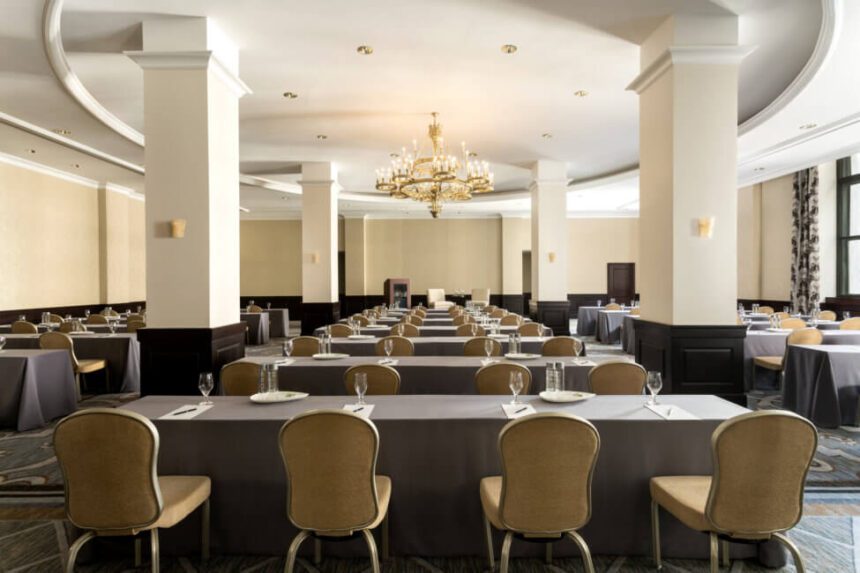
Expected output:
(514, 411)
(669, 412)
(388, 361)
(188, 411)
(583, 362)
(363, 411)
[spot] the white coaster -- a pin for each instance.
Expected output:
(668, 412)
(514, 411)
(363, 411)
(186, 412)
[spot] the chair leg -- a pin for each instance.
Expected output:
(204, 531)
(506, 552)
(294, 548)
(371, 546)
(138, 551)
(724, 550)
(655, 534)
(715, 566)
(488, 536)
(386, 551)
(156, 566)
(795, 553)
(317, 551)
(583, 548)
(548, 553)
(75, 549)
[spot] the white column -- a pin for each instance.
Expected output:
(319, 233)
(191, 104)
(549, 231)
(688, 171)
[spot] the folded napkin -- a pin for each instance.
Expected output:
(514, 411)
(185, 412)
(363, 411)
(583, 362)
(669, 412)
(388, 361)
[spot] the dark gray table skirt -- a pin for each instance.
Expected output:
(430, 345)
(822, 383)
(436, 449)
(628, 333)
(258, 327)
(430, 331)
(279, 322)
(36, 386)
(609, 325)
(122, 352)
(586, 320)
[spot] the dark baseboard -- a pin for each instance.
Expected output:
(171, 359)
(316, 314)
(35, 314)
(554, 314)
(694, 359)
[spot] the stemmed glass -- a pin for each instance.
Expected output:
(2, 342)
(287, 347)
(112, 327)
(488, 348)
(515, 383)
(388, 346)
(654, 382)
(846, 315)
(360, 385)
(205, 384)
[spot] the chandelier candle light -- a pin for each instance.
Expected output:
(435, 179)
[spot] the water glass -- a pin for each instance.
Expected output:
(388, 346)
(551, 380)
(488, 347)
(611, 301)
(68, 317)
(87, 313)
(515, 383)
(599, 303)
(268, 305)
(2, 342)
(360, 384)
(271, 377)
(22, 317)
(287, 347)
(846, 315)
(654, 382)
(205, 384)
(112, 327)
(786, 309)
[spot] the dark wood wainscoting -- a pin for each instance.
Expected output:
(554, 314)
(694, 359)
(842, 304)
(316, 314)
(514, 303)
(35, 314)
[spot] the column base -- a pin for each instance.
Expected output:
(316, 314)
(171, 359)
(513, 303)
(694, 359)
(554, 314)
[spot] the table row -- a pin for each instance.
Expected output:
(436, 345)
(381, 330)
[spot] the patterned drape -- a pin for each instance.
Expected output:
(804, 241)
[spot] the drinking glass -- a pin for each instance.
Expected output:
(488, 348)
(515, 383)
(388, 346)
(68, 317)
(287, 347)
(268, 305)
(87, 313)
(360, 385)
(22, 317)
(138, 309)
(251, 302)
(112, 327)
(846, 315)
(786, 309)
(205, 384)
(655, 384)
(599, 303)
(611, 301)
(2, 342)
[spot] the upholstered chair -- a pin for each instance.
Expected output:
(382, 380)
(462, 319)
(781, 315)
(612, 306)
(827, 315)
(617, 378)
(792, 323)
(253, 308)
(511, 320)
(436, 299)
(56, 318)
(361, 319)
(765, 309)
(134, 325)
(544, 492)
(240, 378)
(455, 310)
(499, 313)
(477, 347)
(404, 329)
(67, 326)
(139, 317)
(62, 341)
(108, 458)
(493, 379)
(850, 324)
(530, 329)
(562, 346)
(420, 313)
(97, 319)
(756, 492)
(24, 327)
(635, 311)
(341, 331)
(470, 329)
(111, 313)
(490, 308)
(480, 296)
(414, 319)
(305, 346)
(776, 364)
(333, 491)
(401, 346)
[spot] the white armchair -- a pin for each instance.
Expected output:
(481, 296)
(436, 299)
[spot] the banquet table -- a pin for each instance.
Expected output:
(120, 327)
(436, 449)
(431, 345)
(628, 334)
(258, 327)
(121, 351)
(382, 330)
(609, 325)
(36, 386)
(821, 325)
(586, 319)
(822, 383)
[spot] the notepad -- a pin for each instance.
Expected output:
(514, 411)
(363, 411)
(185, 412)
(388, 362)
(669, 412)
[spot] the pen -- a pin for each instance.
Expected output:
(359, 409)
(521, 410)
(184, 411)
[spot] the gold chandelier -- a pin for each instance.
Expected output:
(435, 179)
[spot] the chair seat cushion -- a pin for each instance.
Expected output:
(86, 366)
(769, 362)
(491, 496)
(181, 496)
(684, 497)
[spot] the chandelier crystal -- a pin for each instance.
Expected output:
(435, 179)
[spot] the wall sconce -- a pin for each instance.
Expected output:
(315, 258)
(177, 228)
(551, 256)
(706, 227)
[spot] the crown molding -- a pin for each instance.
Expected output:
(47, 170)
(130, 193)
(706, 54)
(192, 60)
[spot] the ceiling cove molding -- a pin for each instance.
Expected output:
(263, 183)
(47, 170)
(53, 42)
(194, 60)
(705, 54)
(831, 28)
(130, 193)
(755, 178)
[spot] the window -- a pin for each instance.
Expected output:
(848, 225)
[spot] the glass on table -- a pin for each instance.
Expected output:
(22, 317)
(654, 382)
(360, 385)
(87, 313)
(287, 347)
(611, 301)
(111, 327)
(2, 342)
(846, 315)
(599, 303)
(515, 383)
(388, 347)
(488, 348)
(268, 305)
(205, 384)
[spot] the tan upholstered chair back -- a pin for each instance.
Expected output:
(420, 313)
(782, 315)
(59, 341)
(404, 329)
(827, 315)
(471, 329)
(635, 311)
(414, 319)
(562, 346)
(361, 319)
(499, 313)
(490, 308)
(110, 312)
(139, 317)
(402, 346)
(240, 378)
(617, 378)
(477, 347)
(330, 460)
(792, 323)
(850, 324)
(305, 346)
(96, 319)
(547, 464)
(760, 464)
(530, 329)
(511, 320)
(56, 318)
(493, 379)
(765, 309)
(66, 327)
(612, 306)
(341, 331)
(255, 309)
(455, 310)
(382, 380)
(134, 325)
(462, 319)
(108, 458)
(805, 336)
(24, 327)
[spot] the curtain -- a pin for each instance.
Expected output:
(804, 241)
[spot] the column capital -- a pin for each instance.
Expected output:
(190, 60)
(722, 55)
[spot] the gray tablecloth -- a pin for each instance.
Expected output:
(279, 322)
(822, 383)
(36, 386)
(436, 449)
(764, 325)
(628, 333)
(258, 327)
(122, 352)
(431, 345)
(103, 328)
(586, 320)
(609, 325)
(430, 331)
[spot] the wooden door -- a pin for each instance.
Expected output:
(621, 282)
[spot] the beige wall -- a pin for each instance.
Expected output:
(776, 223)
(594, 242)
(749, 242)
(271, 262)
(122, 247)
(353, 244)
(516, 238)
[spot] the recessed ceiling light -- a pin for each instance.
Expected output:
(472, 154)
(31, 151)
(61, 131)
(759, 169)
(364, 50)
(291, 95)
(546, 135)
(509, 49)
(807, 126)
(76, 165)
(580, 93)
(393, 155)
(322, 136)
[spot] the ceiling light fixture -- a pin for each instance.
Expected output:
(322, 136)
(437, 177)
(580, 93)
(509, 49)
(808, 126)
(546, 135)
(61, 131)
(364, 50)
(291, 95)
